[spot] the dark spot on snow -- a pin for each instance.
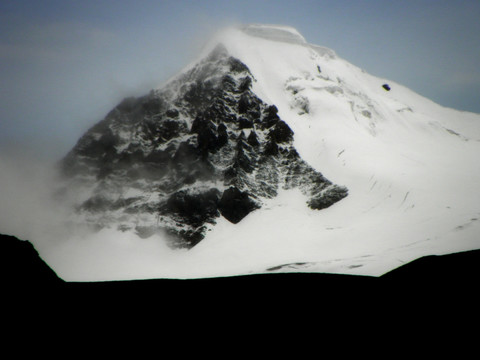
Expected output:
(367, 114)
(386, 87)
(291, 265)
(327, 198)
(354, 266)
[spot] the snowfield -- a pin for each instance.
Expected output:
(410, 165)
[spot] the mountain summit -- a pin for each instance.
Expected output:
(203, 146)
(277, 155)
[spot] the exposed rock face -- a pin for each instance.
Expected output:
(175, 160)
(22, 269)
(235, 205)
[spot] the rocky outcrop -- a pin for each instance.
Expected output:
(23, 269)
(235, 205)
(176, 159)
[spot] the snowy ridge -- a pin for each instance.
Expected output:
(400, 155)
(410, 167)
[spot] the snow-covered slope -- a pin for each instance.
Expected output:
(410, 166)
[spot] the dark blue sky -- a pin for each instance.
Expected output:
(65, 64)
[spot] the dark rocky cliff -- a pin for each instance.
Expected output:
(176, 159)
(22, 268)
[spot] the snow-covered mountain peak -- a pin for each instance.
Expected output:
(267, 150)
(203, 146)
